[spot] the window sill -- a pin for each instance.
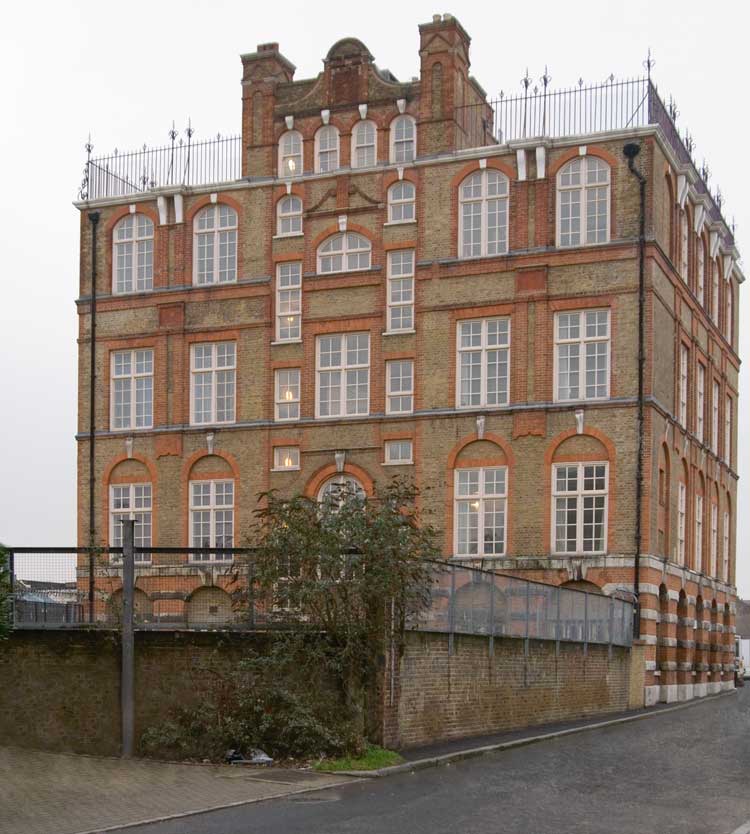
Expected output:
(398, 332)
(132, 430)
(582, 402)
(285, 237)
(286, 469)
(400, 223)
(399, 413)
(398, 463)
(482, 407)
(287, 420)
(211, 425)
(286, 342)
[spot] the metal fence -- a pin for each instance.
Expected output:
(180, 163)
(213, 589)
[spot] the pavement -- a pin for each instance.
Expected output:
(57, 793)
(682, 770)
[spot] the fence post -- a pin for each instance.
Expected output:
(611, 623)
(585, 624)
(127, 682)
(557, 622)
(528, 607)
(451, 611)
(251, 588)
(492, 616)
(92, 561)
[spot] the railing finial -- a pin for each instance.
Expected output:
(649, 63)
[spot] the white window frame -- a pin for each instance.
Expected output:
(729, 313)
(347, 251)
(483, 349)
(716, 389)
(214, 370)
(485, 201)
(715, 310)
(580, 494)
(370, 147)
(213, 507)
(343, 479)
(220, 236)
(714, 567)
(390, 460)
(145, 377)
(399, 399)
(585, 192)
(477, 502)
(332, 152)
(400, 289)
(681, 522)
(290, 216)
(344, 369)
(725, 547)
(399, 152)
(583, 340)
(404, 204)
(684, 383)
(290, 153)
(287, 400)
(701, 272)
(286, 458)
(131, 512)
(728, 428)
(698, 549)
(289, 301)
(684, 245)
(700, 403)
(138, 276)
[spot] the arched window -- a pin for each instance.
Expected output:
(682, 515)
(403, 139)
(211, 518)
(684, 237)
(483, 218)
(133, 261)
(583, 202)
(402, 202)
(290, 154)
(289, 216)
(364, 145)
(725, 540)
(728, 312)
(215, 245)
(345, 252)
(326, 149)
(480, 511)
(700, 281)
(715, 310)
(714, 534)
(698, 562)
(336, 491)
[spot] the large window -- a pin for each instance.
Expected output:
(215, 245)
(715, 418)
(728, 423)
(403, 139)
(211, 518)
(341, 488)
(583, 202)
(701, 276)
(700, 402)
(399, 397)
(364, 145)
(131, 501)
(683, 386)
(483, 362)
(289, 216)
(343, 375)
(483, 216)
(290, 154)
(681, 522)
(579, 492)
(725, 549)
(287, 390)
(345, 252)
(212, 371)
(715, 292)
(326, 149)
(132, 390)
(133, 261)
(714, 539)
(684, 241)
(582, 355)
(288, 302)
(480, 511)
(400, 290)
(698, 533)
(728, 312)
(402, 202)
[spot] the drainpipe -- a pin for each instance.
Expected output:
(631, 150)
(94, 220)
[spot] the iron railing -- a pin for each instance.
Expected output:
(214, 589)
(181, 163)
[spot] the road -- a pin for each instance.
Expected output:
(682, 772)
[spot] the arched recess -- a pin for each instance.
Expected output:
(313, 486)
(204, 467)
(662, 629)
(478, 604)
(583, 585)
(143, 607)
(209, 606)
(125, 473)
(664, 503)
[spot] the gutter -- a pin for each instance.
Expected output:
(94, 220)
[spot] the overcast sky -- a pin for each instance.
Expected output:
(124, 71)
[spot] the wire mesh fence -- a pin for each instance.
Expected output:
(215, 589)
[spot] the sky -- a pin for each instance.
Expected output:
(124, 71)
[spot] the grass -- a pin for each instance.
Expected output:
(373, 759)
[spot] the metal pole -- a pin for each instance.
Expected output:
(611, 623)
(492, 616)
(557, 623)
(528, 605)
(128, 653)
(586, 624)
(94, 220)
(451, 611)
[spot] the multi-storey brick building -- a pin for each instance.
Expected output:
(398, 281)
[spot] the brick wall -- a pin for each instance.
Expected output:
(442, 696)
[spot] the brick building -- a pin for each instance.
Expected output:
(392, 277)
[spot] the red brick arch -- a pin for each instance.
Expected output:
(330, 470)
(185, 480)
(106, 482)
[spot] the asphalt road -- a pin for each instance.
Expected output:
(683, 772)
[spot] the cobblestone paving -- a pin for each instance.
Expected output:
(50, 793)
